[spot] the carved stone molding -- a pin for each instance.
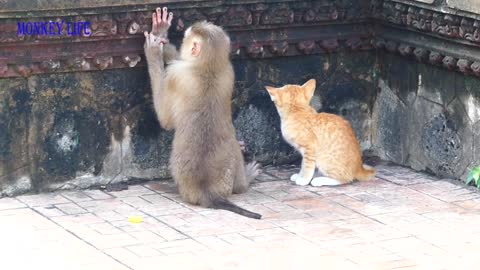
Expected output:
(258, 29)
(429, 56)
(431, 33)
(428, 20)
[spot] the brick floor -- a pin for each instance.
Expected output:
(401, 220)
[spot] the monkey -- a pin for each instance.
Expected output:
(192, 92)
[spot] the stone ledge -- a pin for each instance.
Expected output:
(280, 28)
(472, 6)
(259, 29)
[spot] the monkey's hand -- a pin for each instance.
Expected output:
(242, 145)
(161, 22)
(154, 47)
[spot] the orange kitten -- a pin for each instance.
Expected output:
(326, 141)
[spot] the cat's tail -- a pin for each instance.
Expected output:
(365, 173)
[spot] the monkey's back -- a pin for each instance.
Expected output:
(205, 149)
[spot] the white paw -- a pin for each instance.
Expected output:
(324, 181)
(302, 181)
(294, 177)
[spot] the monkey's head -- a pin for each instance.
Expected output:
(205, 42)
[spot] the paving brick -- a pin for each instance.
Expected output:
(282, 172)
(122, 254)
(235, 238)
(106, 241)
(147, 237)
(179, 246)
(105, 228)
(265, 177)
(97, 194)
(132, 191)
(136, 202)
(43, 199)
(213, 242)
(76, 196)
(110, 216)
(144, 251)
(49, 211)
(70, 208)
(162, 186)
(10, 203)
(408, 221)
(108, 205)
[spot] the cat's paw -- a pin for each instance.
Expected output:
(324, 181)
(302, 181)
(294, 177)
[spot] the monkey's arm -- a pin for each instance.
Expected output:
(169, 53)
(162, 96)
(156, 69)
(158, 52)
(162, 99)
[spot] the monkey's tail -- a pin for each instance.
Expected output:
(221, 203)
(365, 173)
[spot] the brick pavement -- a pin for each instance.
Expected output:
(401, 220)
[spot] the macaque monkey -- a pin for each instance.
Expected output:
(192, 95)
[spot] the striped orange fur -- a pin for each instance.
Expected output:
(326, 141)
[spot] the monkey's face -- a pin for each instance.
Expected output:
(300, 95)
(191, 46)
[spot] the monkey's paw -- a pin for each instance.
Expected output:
(161, 22)
(252, 170)
(242, 145)
(153, 46)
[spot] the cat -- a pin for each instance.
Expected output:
(326, 141)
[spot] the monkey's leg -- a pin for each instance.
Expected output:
(240, 183)
(245, 175)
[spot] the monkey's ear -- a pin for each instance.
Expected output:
(309, 88)
(196, 48)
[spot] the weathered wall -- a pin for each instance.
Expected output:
(426, 117)
(426, 114)
(81, 129)
(76, 111)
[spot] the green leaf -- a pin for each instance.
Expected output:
(469, 178)
(478, 184)
(476, 177)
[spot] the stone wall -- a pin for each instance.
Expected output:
(77, 112)
(426, 114)
(426, 117)
(80, 129)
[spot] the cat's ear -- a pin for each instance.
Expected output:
(309, 88)
(271, 90)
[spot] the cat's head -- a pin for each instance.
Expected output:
(292, 94)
